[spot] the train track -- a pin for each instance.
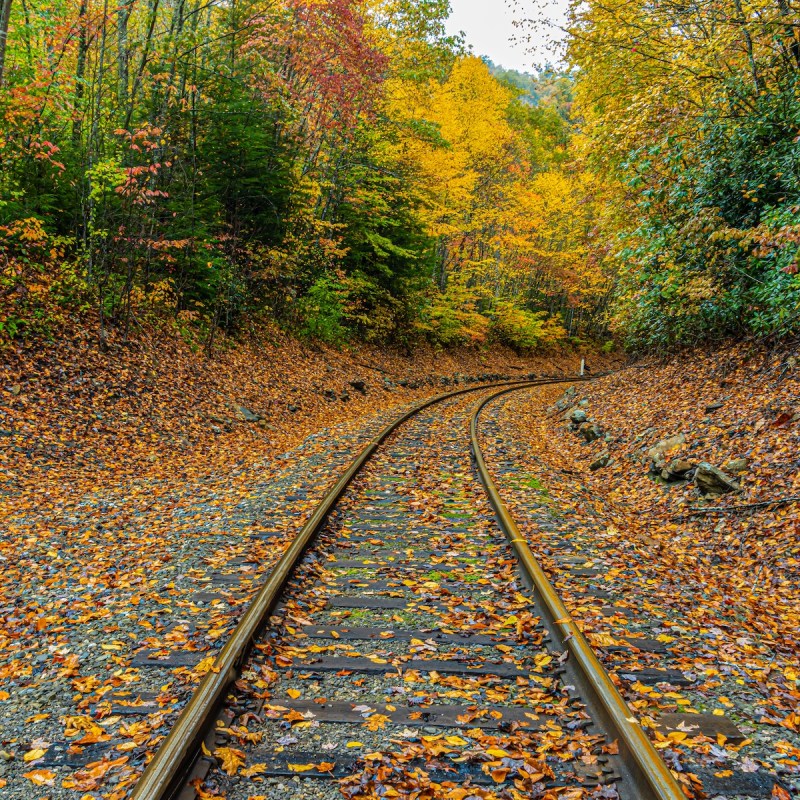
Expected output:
(409, 642)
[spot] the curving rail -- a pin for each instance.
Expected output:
(645, 769)
(166, 774)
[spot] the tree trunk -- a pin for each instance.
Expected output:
(5, 18)
(791, 33)
(123, 52)
(80, 73)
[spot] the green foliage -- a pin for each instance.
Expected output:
(523, 329)
(322, 311)
(717, 247)
(343, 169)
(452, 317)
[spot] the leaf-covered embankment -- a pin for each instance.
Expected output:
(678, 483)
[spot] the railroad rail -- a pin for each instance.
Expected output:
(640, 763)
(575, 693)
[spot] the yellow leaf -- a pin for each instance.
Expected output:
(204, 666)
(231, 759)
(355, 744)
(32, 755)
(300, 767)
(255, 769)
(456, 740)
(41, 777)
(293, 693)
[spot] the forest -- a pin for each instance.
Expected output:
(348, 171)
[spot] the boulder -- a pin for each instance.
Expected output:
(658, 451)
(677, 470)
(737, 465)
(578, 416)
(590, 431)
(246, 414)
(566, 400)
(359, 386)
(603, 460)
(711, 480)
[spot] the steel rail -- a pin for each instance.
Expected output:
(645, 775)
(166, 774)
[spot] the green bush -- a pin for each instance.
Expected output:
(322, 311)
(522, 329)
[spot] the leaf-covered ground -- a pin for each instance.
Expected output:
(139, 508)
(717, 587)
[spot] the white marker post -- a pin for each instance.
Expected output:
(583, 366)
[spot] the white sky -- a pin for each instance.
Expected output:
(488, 25)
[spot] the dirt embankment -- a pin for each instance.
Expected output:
(75, 412)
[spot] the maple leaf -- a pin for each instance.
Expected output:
(230, 759)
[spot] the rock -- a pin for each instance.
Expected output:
(737, 465)
(15, 389)
(329, 394)
(583, 404)
(603, 460)
(344, 396)
(359, 386)
(677, 470)
(657, 452)
(714, 407)
(565, 401)
(293, 409)
(577, 416)
(590, 431)
(711, 480)
(247, 415)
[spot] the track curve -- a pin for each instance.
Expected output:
(586, 720)
(644, 767)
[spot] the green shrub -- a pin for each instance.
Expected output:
(322, 311)
(523, 329)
